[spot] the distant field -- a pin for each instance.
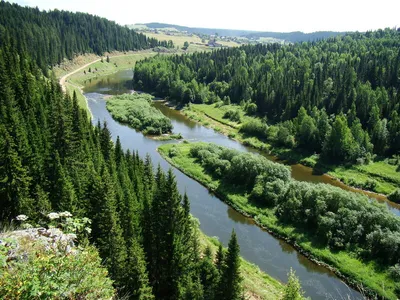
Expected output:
(178, 40)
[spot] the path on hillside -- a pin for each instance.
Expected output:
(64, 78)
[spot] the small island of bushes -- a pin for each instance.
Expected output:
(136, 111)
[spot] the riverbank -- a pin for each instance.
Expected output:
(379, 178)
(74, 73)
(366, 277)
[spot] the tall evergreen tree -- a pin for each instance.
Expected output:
(230, 284)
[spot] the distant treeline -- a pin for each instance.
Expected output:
(49, 37)
(339, 97)
(294, 37)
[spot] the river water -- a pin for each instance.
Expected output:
(272, 255)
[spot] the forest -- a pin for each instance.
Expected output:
(349, 230)
(52, 159)
(337, 97)
(49, 37)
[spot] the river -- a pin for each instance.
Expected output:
(272, 255)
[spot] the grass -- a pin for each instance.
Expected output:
(178, 38)
(384, 176)
(118, 61)
(257, 284)
(356, 271)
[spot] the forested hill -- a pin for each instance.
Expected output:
(294, 37)
(339, 97)
(53, 160)
(49, 37)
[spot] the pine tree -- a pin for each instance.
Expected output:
(137, 281)
(14, 180)
(107, 233)
(230, 283)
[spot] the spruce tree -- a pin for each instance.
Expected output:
(136, 281)
(230, 283)
(107, 233)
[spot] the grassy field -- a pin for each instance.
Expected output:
(118, 61)
(384, 177)
(257, 284)
(178, 38)
(371, 275)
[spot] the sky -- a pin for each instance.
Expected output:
(258, 15)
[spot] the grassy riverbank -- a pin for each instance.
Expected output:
(257, 284)
(372, 275)
(98, 68)
(379, 176)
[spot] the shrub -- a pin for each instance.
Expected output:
(251, 109)
(173, 152)
(233, 115)
(255, 127)
(395, 196)
(394, 272)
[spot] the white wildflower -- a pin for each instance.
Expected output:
(53, 216)
(22, 218)
(72, 236)
(65, 214)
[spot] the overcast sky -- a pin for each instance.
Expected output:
(261, 15)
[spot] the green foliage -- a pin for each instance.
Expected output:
(293, 289)
(137, 111)
(337, 221)
(233, 115)
(51, 274)
(230, 282)
(347, 75)
(395, 196)
(255, 127)
(51, 36)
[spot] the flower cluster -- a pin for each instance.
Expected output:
(22, 218)
(53, 216)
(65, 214)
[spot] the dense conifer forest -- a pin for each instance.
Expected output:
(49, 37)
(53, 159)
(338, 97)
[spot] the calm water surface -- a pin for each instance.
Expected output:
(272, 255)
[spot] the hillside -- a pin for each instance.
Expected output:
(49, 37)
(54, 160)
(332, 104)
(293, 37)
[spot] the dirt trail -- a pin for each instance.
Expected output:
(64, 78)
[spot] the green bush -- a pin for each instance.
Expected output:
(233, 115)
(137, 111)
(255, 127)
(395, 196)
(51, 274)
